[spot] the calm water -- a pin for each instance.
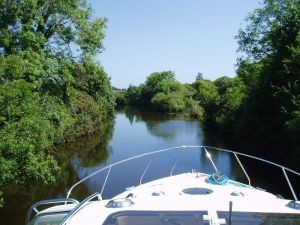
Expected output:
(130, 134)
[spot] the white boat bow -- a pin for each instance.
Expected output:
(186, 198)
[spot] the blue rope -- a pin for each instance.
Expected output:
(217, 179)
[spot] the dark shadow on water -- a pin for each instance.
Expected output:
(19, 197)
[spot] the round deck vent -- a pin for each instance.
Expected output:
(119, 203)
(197, 191)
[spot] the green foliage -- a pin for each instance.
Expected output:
(206, 93)
(170, 102)
(30, 126)
(133, 95)
(162, 92)
(92, 79)
(271, 29)
(158, 82)
(208, 97)
(195, 110)
(223, 84)
(48, 74)
(31, 25)
(249, 73)
(49, 92)
(270, 71)
(86, 113)
(230, 105)
(120, 98)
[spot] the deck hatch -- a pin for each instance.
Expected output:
(197, 191)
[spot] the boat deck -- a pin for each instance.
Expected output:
(184, 192)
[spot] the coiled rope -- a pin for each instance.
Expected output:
(218, 179)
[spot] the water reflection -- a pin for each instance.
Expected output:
(157, 125)
(138, 132)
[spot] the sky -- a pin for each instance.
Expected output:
(184, 36)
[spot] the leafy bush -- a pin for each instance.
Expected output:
(171, 102)
(209, 98)
(120, 98)
(133, 95)
(86, 113)
(29, 126)
(93, 80)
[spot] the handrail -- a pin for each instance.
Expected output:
(284, 169)
(190, 147)
(117, 163)
(48, 202)
(145, 171)
(175, 164)
(79, 206)
(108, 172)
(210, 159)
(290, 185)
(241, 165)
(249, 156)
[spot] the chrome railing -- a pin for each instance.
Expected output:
(58, 201)
(187, 147)
(78, 207)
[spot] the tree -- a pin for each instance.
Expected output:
(155, 81)
(199, 76)
(133, 95)
(271, 29)
(51, 87)
(230, 106)
(223, 84)
(270, 66)
(208, 97)
(168, 102)
(206, 93)
(53, 26)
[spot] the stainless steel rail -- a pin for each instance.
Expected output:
(175, 164)
(186, 147)
(62, 201)
(108, 172)
(210, 159)
(117, 163)
(284, 169)
(241, 165)
(78, 207)
(290, 185)
(145, 171)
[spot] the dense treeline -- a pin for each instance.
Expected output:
(162, 92)
(260, 107)
(51, 87)
(269, 117)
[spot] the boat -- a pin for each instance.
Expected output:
(190, 197)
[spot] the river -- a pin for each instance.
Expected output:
(129, 134)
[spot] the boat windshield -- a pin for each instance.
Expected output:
(252, 218)
(156, 218)
(197, 218)
(48, 218)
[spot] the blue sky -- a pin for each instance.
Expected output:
(184, 36)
